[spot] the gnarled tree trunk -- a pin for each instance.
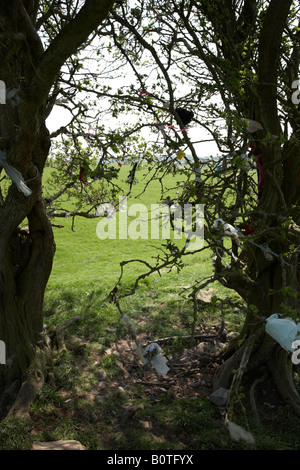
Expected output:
(26, 257)
(266, 282)
(29, 71)
(263, 352)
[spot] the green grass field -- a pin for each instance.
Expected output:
(84, 265)
(76, 404)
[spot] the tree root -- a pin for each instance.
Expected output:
(281, 368)
(33, 383)
(37, 371)
(251, 358)
(224, 374)
(252, 392)
(8, 396)
(61, 332)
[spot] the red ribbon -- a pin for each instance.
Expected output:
(80, 176)
(172, 127)
(180, 130)
(144, 93)
(248, 229)
(89, 132)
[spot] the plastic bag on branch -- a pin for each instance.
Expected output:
(283, 330)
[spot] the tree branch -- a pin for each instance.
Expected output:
(59, 193)
(66, 43)
(268, 60)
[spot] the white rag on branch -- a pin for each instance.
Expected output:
(14, 175)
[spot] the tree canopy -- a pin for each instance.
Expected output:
(235, 66)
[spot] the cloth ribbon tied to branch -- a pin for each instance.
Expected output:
(144, 93)
(253, 126)
(185, 116)
(81, 176)
(229, 230)
(248, 229)
(90, 129)
(234, 233)
(14, 175)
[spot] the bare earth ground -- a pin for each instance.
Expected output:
(190, 377)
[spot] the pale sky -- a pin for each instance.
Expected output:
(60, 117)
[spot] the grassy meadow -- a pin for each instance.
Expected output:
(97, 391)
(86, 268)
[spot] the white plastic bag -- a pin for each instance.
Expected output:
(283, 330)
(237, 433)
(154, 354)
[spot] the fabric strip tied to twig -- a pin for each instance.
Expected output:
(14, 175)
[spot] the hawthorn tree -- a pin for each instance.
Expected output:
(235, 65)
(40, 45)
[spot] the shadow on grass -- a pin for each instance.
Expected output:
(107, 401)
